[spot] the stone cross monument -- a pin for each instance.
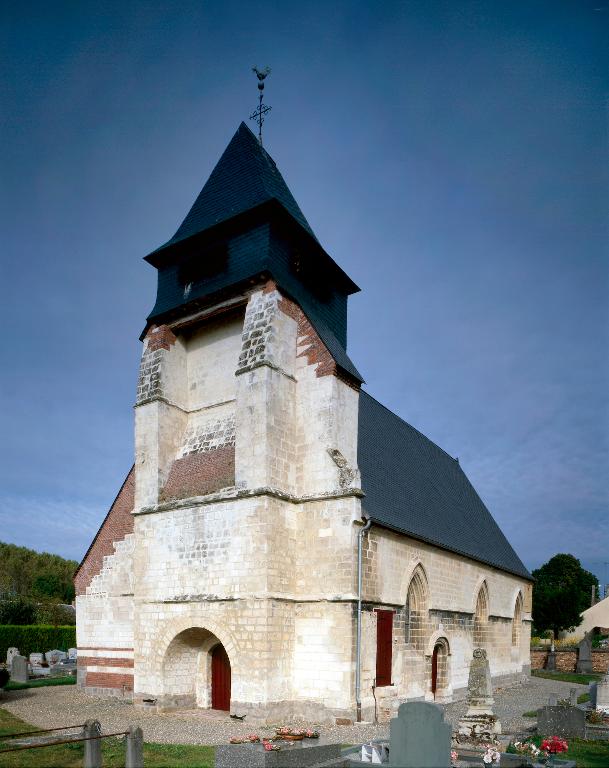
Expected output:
(479, 721)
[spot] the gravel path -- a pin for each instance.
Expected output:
(68, 705)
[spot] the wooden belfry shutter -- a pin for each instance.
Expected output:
(384, 647)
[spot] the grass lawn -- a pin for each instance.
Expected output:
(71, 755)
(566, 677)
(42, 683)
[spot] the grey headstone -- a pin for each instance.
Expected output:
(36, 659)
(479, 719)
(9, 655)
(19, 669)
(602, 695)
(568, 722)
(551, 661)
(419, 737)
(592, 692)
(552, 700)
(573, 697)
(72, 653)
(584, 656)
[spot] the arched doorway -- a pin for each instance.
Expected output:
(196, 671)
(434, 670)
(220, 679)
(439, 673)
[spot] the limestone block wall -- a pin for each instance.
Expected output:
(452, 588)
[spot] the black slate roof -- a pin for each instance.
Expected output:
(244, 177)
(414, 487)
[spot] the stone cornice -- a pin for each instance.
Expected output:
(232, 494)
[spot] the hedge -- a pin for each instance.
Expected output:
(36, 638)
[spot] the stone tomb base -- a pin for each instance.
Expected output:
(299, 753)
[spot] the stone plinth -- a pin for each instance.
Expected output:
(300, 753)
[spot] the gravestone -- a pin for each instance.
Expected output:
(9, 655)
(419, 737)
(36, 659)
(602, 695)
(592, 693)
(19, 669)
(72, 653)
(584, 657)
(551, 661)
(54, 657)
(552, 700)
(479, 720)
(567, 722)
(573, 697)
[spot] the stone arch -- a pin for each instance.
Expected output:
(481, 614)
(416, 608)
(187, 668)
(517, 619)
(182, 659)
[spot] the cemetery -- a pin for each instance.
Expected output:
(419, 735)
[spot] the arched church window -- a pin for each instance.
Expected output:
(415, 609)
(517, 621)
(481, 617)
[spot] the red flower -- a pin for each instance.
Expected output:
(554, 745)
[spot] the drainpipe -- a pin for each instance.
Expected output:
(358, 649)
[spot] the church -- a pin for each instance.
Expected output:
(284, 546)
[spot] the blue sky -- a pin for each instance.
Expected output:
(452, 158)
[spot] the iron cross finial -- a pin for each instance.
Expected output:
(259, 113)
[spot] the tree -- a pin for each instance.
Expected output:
(19, 610)
(561, 591)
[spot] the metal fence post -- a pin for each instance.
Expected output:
(134, 748)
(93, 750)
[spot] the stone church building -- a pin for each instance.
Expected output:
(226, 573)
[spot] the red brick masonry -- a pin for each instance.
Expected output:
(566, 659)
(159, 337)
(109, 680)
(92, 661)
(200, 473)
(117, 524)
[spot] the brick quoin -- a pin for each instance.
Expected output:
(159, 337)
(315, 350)
(90, 661)
(198, 474)
(109, 680)
(117, 524)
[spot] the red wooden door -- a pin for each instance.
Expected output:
(384, 647)
(220, 679)
(434, 670)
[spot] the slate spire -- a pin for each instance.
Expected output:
(244, 178)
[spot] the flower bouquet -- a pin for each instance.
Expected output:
(491, 755)
(290, 734)
(554, 746)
